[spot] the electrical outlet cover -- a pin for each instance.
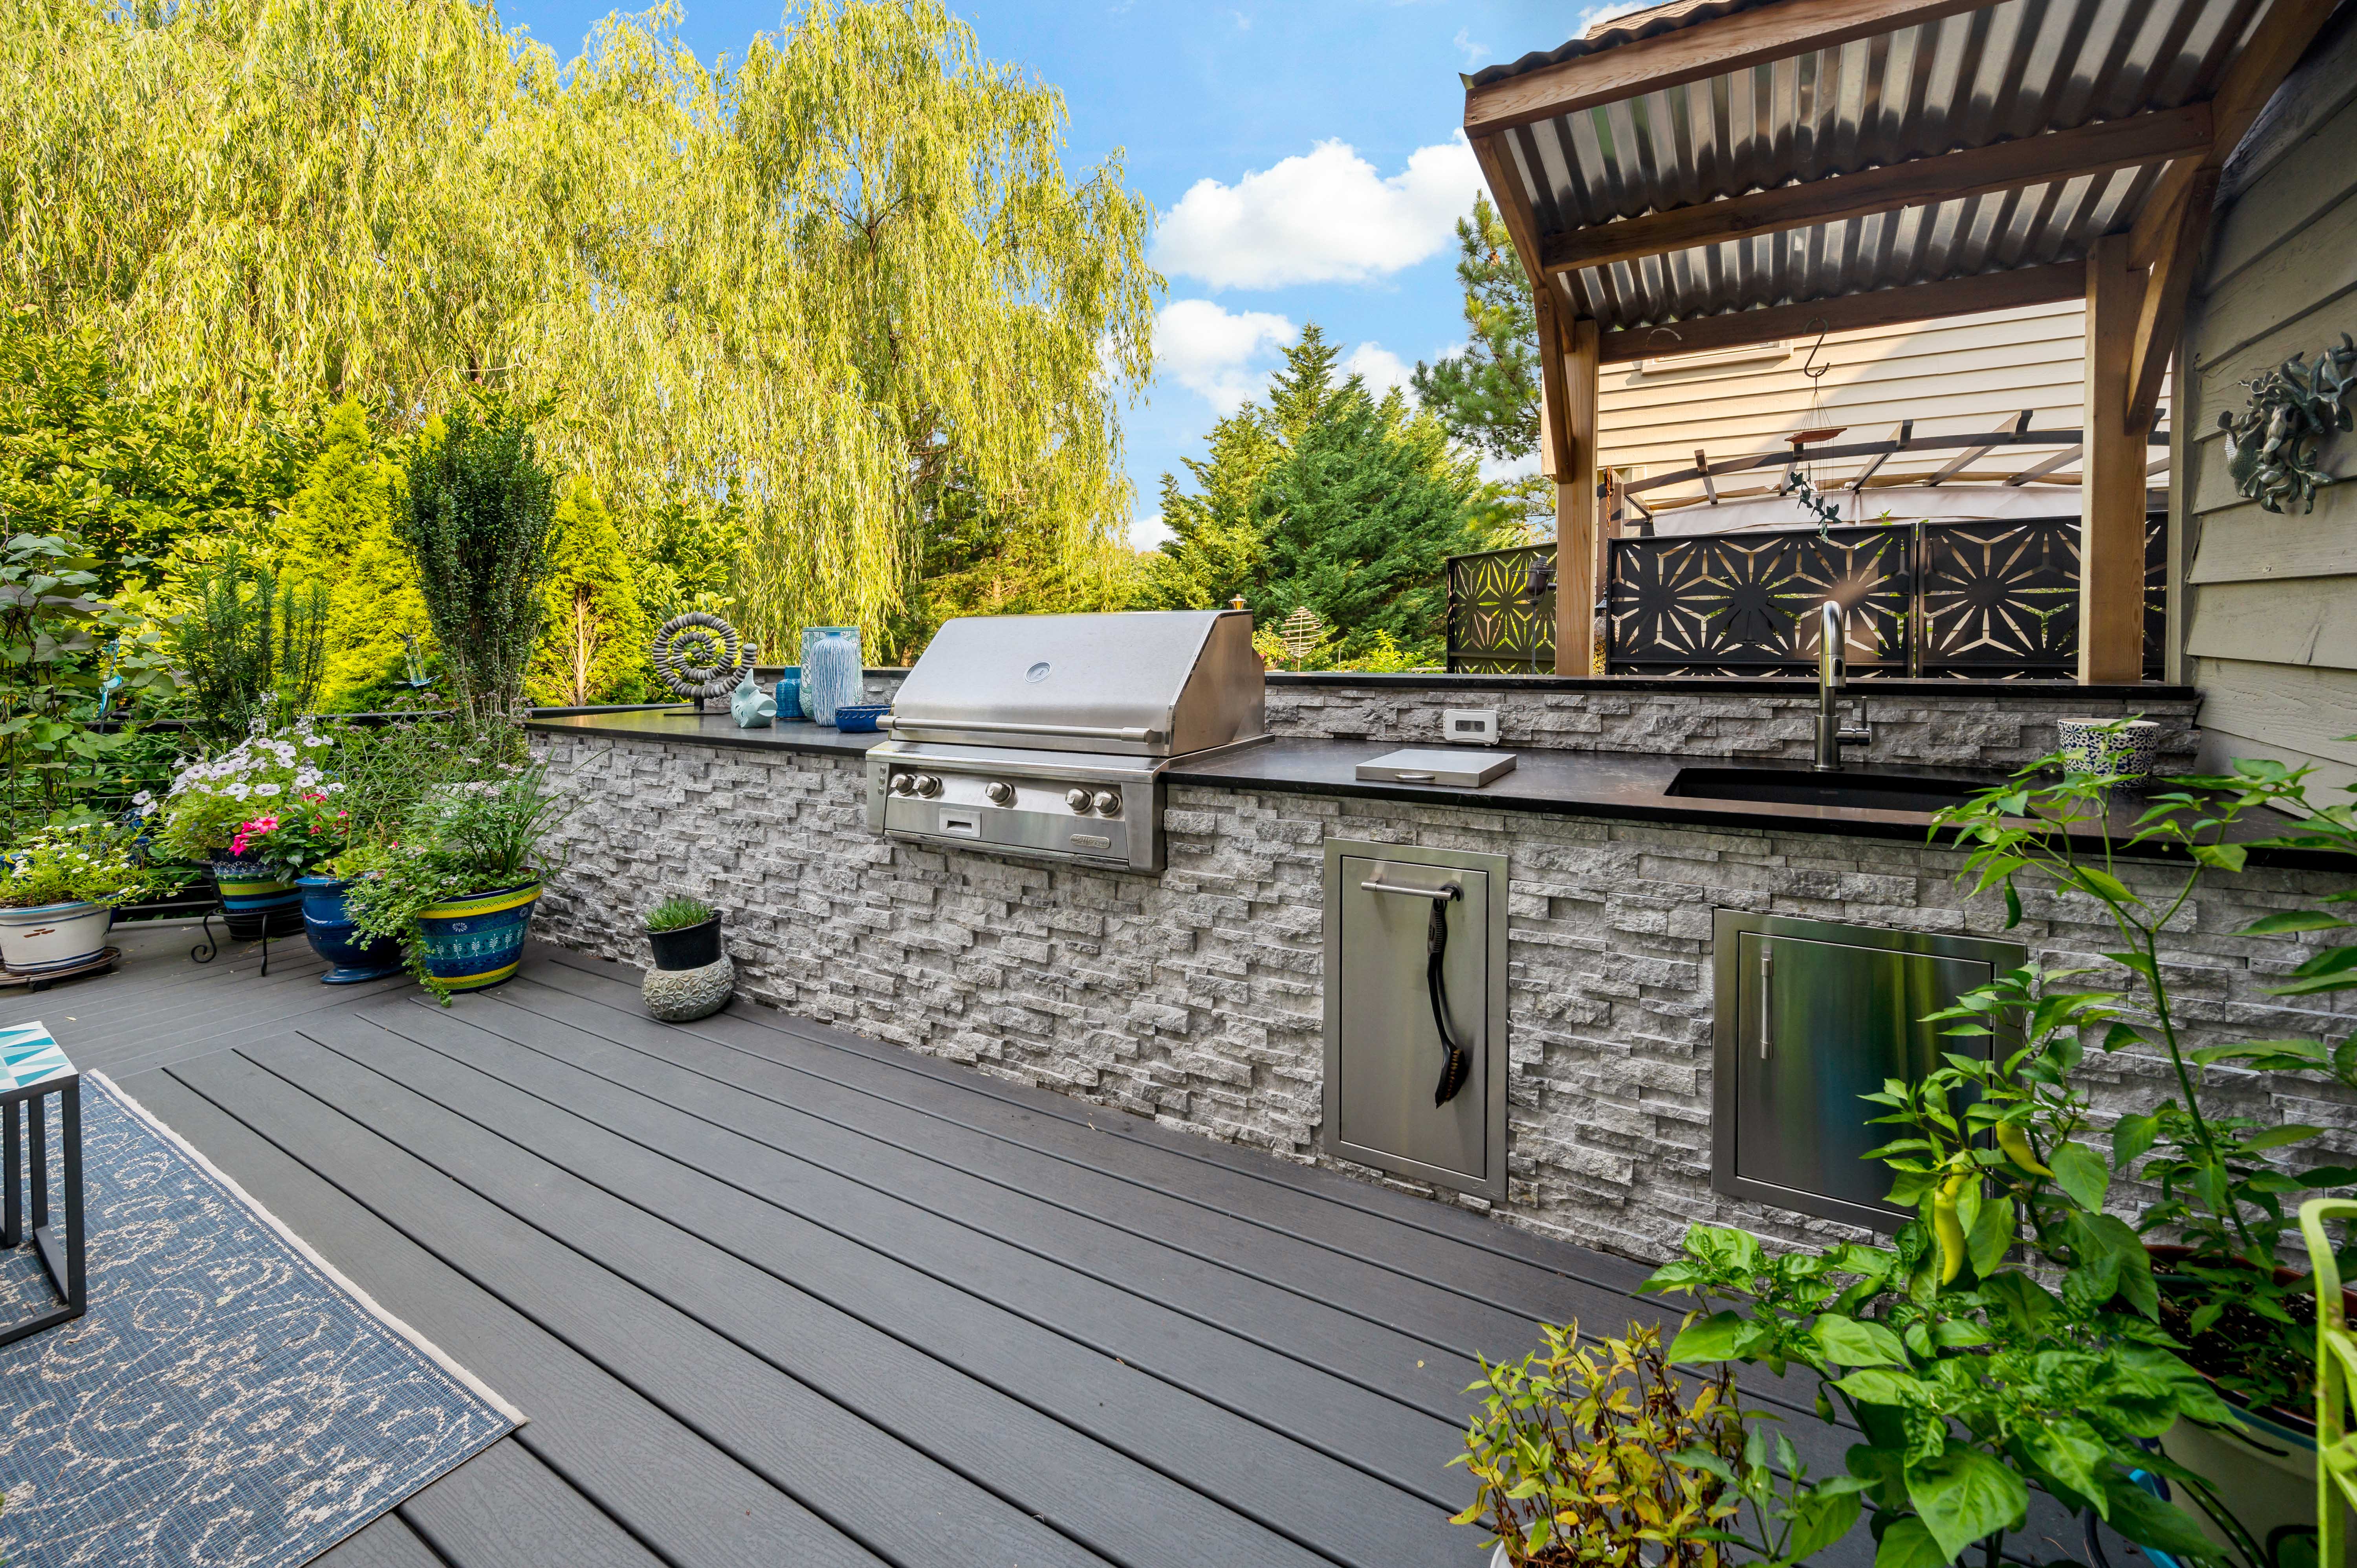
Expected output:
(1469, 727)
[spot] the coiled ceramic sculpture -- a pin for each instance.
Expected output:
(699, 655)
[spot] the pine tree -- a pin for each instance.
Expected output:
(339, 531)
(1324, 498)
(593, 633)
(1487, 397)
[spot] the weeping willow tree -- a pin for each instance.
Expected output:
(841, 290)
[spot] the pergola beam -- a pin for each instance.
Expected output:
(2008, 434)
(1689, 54)
(2112, 479)
(2258, 69)
(1899, 440)
(2166, 288)
(2039, 470)
(1882, 307)
(2099, 148)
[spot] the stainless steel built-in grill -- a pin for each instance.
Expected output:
(1047, 735)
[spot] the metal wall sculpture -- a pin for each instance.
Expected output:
(2271, 446)
(699, 655)
(1993, 600)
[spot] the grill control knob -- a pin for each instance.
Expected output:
(999, 792)
(927, 786)
(1079, 800)
(1109, 802)
(902, 783)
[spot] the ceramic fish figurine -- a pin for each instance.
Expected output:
(754, 708)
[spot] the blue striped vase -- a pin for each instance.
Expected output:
(831, 674)
(257, 901)
(476, 941)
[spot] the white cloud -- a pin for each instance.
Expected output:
(1223, 355)
(1381, 369)
(1474, 53)
(1328, 216)
(1149, 532)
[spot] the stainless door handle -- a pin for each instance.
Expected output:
(1450, 891)
(1411, 778)
(1767, 1000)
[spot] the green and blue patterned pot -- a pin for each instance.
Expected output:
(330, 925)
(476, 941)
(257, 901)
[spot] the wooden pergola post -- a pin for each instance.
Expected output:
(1568, 352)
(2112, 474)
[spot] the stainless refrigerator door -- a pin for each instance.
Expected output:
(1387, 1054)
(1818, 1024)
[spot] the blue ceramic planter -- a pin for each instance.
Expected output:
(330, 925)
(477, 940)
(256, 902)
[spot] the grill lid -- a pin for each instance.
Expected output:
(1141, 683)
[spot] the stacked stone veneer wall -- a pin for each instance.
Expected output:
(1195, 997)
(1961, 728)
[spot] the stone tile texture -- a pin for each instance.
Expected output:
(1195, 997)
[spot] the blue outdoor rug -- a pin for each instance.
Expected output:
(229, 1400)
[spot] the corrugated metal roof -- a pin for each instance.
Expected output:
(2008, 70)
(1614, 31)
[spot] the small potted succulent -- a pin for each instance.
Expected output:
(56, 902)
(691, 977)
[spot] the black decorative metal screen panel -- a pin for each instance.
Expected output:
(1496, 625)
(1990, 600)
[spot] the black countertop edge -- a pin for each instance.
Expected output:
(672, 723)
(1748, 685)
(1604, 786)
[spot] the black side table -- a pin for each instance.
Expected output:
(33, 1067)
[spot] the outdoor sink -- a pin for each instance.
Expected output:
(1791, 786)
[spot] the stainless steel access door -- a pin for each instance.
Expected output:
(1384, 1052)
(1809, 1016)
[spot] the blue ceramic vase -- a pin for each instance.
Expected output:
(833, 676)
(329, 924)
(788, 693)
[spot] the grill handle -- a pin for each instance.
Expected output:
(1091, 731)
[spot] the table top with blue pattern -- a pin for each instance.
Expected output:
(28, 1056)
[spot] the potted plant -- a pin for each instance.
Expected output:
(691, 977)
(458, 887)
(211, 801)
(58, 901)
(684, 933)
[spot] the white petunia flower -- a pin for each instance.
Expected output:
(263, 790)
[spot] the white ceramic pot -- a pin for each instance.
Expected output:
(1498, 1558)
(52, 936)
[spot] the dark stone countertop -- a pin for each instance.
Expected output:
(1615, 786)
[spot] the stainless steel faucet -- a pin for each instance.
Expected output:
(1832, 640)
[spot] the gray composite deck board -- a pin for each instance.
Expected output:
(1306, 1403)
(729, 1278)
(804, 1117)
(385, 1542)
(504, 1508)
(1091, 1396)
(772, 1292)
(899, 1504)
(691, 1502)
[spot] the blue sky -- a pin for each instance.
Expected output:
(1303, 156)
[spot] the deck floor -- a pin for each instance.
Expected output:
(772, 1292)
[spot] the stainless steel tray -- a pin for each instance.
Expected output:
(1457, 768)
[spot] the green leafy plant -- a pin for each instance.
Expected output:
(1596, 1454)
(462, 837)
(250, 645)
(477, 517)
(86, 862)
(678, 913)
(1970, 1388)
(211, 799)
(64, 655)
(2221, 1179)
